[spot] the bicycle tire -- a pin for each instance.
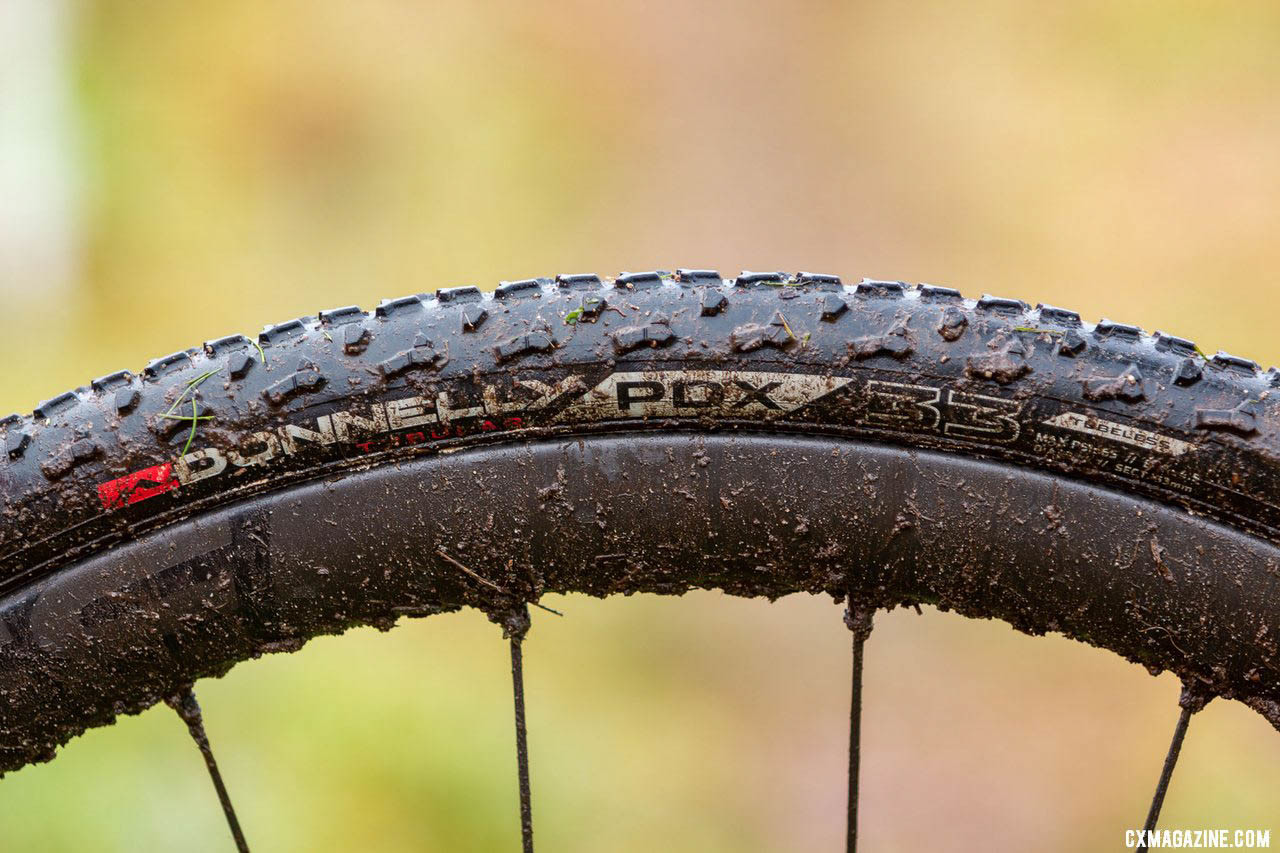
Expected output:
(897, 443)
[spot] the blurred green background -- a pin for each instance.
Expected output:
(172, 172)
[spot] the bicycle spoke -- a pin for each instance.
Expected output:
(858, 618)
(1190, 702)
(517, 634)
(184, 702)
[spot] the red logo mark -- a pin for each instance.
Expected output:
(138, 486)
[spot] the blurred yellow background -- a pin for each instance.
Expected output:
(170, 173)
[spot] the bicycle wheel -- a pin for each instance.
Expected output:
(657, 432)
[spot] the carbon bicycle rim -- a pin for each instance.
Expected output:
(881, 443)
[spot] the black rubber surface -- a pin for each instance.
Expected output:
(654, 432)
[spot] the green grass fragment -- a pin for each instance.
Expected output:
(190, 387)
(195, 417)
(195, 421)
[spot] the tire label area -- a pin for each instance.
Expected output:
(1090, 425)
(466, 408)
(671, 393)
